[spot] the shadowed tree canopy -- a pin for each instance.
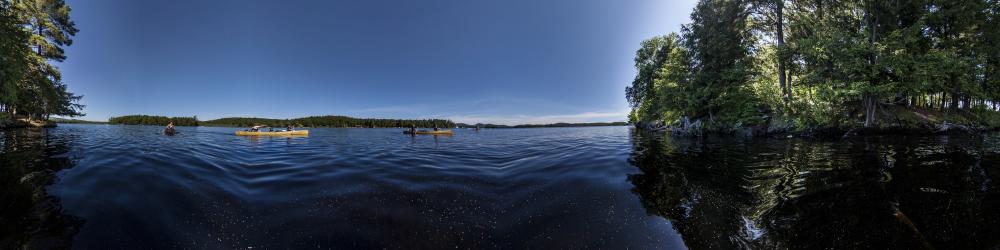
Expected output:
(35, 32)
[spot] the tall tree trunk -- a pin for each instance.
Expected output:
(870, 105)
(869, 99)
(944, 98)
(780, 28)
(38, 24)
(954, 101)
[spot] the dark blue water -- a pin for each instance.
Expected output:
(130, 187)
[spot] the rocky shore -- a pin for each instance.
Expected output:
(26, 123)
(893, 120)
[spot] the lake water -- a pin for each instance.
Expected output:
(130, 187)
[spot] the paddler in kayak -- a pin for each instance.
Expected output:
(170, 129)
(256, 128)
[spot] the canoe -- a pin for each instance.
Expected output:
(274, 133)
(430, 132)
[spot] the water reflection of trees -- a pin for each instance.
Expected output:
(30, 218)
(876, 192)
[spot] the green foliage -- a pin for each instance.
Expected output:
(153, 120)
(312, 121)
(32, 33)
(705, 73)
(844, 63)
(649, 61)
(13, 55)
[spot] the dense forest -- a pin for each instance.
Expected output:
(312, 121)
(154, 120)
(32, 36)
(823, 64)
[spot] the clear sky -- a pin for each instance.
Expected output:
(506, 62)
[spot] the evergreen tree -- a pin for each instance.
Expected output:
(650, 60)
(989, 50)
(13, 58)
(40, 90)
(719, 42)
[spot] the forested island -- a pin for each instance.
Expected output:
(312, 121)
(770, 66)
(74, 121)
(330, 121)
(32, 36)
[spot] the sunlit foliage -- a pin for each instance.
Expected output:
(820, 63)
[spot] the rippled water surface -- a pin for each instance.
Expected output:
(102, 186)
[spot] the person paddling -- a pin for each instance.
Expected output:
(256, 128)
(170, 129)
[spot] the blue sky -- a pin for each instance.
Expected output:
(507, 62)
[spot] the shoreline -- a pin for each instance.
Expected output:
(26, 123)
(894, 120)
(824, 132)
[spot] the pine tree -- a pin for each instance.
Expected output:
(719, 42)
(50, 29)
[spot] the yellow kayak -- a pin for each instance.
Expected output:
(429, 132)
(274, 133)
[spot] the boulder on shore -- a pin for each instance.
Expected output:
(686, 127)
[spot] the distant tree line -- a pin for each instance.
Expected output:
(32, 35)
(154, 120)
(76, 121)
(820, 62)
(553, 125)
(330, 121)
(312, 121)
